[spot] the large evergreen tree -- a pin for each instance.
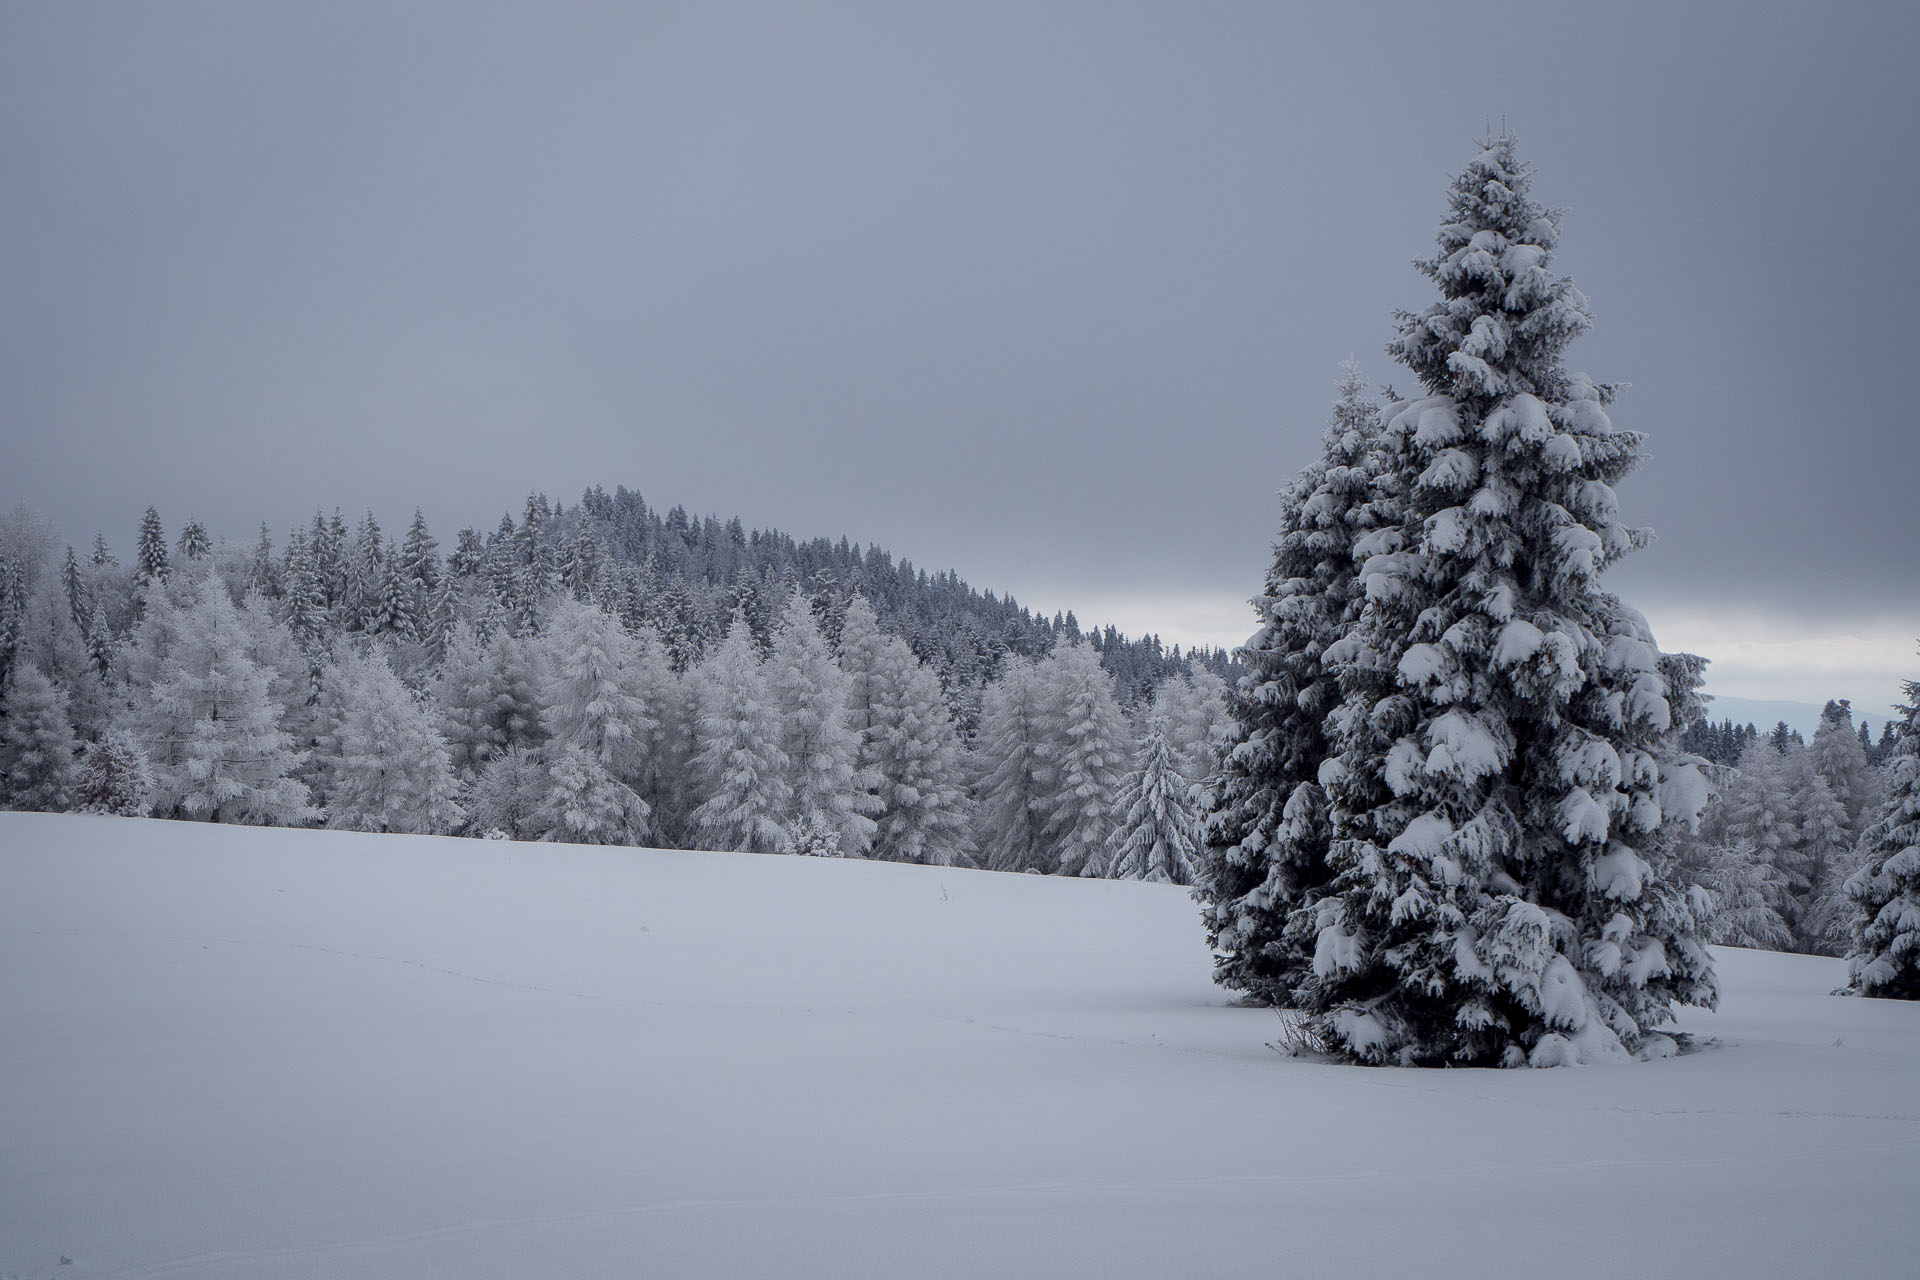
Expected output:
(1505, 752)
(1884, 958)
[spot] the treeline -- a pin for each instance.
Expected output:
(1723, 741)
(1784, 831)
(603, 675)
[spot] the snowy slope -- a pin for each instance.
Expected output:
(230, 1052)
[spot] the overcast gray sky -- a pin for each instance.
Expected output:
(1050, 294)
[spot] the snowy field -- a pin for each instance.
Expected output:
(239, 1053)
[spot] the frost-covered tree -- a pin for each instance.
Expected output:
(586, 804)
(1744, 894)
(113, 777)
(1192, 712)
(1158, 837)
(1754, 808)
(211, 729)
(810, 695)
(813, 837)
(1505, 753)
(1013, 771)
(464, 697)
(509, 795)
(36, 744)
(913, 752)
(594, 689)
(1840, 758)
(1814, 871)
(99, 643)
(389, 769)
(1267, 829)
(1884, 956)
(740, 768)
(1089, 748)
(516, 691)
(909, 756)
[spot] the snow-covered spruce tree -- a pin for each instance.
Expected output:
(1506, 754)
(211, 729)
(740, 767)
(464, 695)
(1090, 747)
(420, 566)
(36, 744)
(100, 644)
(1820, 861)
(516, 691)
(1754, 808)
(913, 752)
(113, 777)
(1266, 833)
(586, 804)
(1158, 837)
(1884, 958)
(594, 688)
(1014, 776)
(1192, 712)
(1840, 758)
(1741, 882)
(810, 694)
(150, 554)
(667, 783)
(909, 756)
(389, 768)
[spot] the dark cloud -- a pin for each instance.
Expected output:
(1051, 294)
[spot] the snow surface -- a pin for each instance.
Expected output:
(229, 1052)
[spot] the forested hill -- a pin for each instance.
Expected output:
(678, 575)
(687, 575)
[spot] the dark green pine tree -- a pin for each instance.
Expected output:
(1506, 765)
(1266, 837)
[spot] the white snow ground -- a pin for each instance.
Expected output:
(229, 1052)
